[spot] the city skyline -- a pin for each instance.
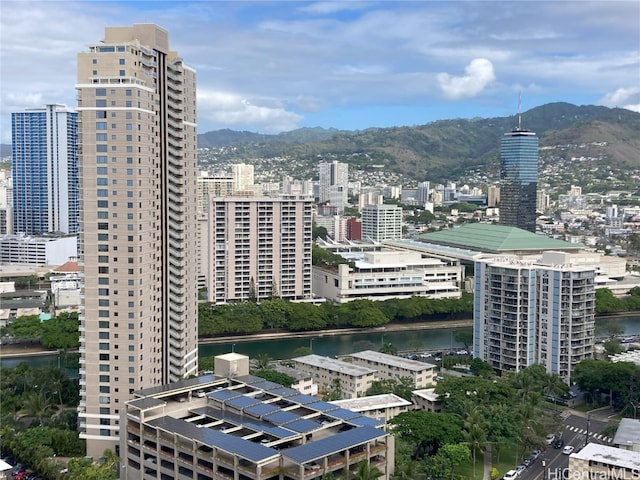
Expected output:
(272, 67)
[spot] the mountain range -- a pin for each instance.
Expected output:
(444, 148)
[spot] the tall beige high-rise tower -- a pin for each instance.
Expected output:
(138, 248)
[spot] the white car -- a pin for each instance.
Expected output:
(510, 475)
(568, 450)
(549, 438)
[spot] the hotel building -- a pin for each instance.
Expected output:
(137, 155)
(44, 163)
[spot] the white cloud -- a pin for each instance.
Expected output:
(479, 74)
(628, 98)
(225, 109)
(325, 8)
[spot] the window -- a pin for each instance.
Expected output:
(101, 170)
(103, 281)
(101, 114)
(104, 357)
(101, 92)
(103, 248)
(103, 346)
(104, 378)
(104, 389)
(103, 237)
(101, 159)
(102, 181)
(121, 61)
(127, 92)
(100, 102)
(101, 125)
(122, 72)
(101, 148)
(103, 226)
(94, 61)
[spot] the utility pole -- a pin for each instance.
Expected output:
(586, 440)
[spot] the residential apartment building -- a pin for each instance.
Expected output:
(138, 247)
(260, 247)
(380, 275)
(243, 176)
(519, 179)
(245, 427)
(210, 186)
(528, 312)
(44, 161)
(334, 184)
(394, 368)
(328, 373)
(427, 399)
(381, 222)
(379, 407)
(37, 250)
(302, 381)
(595, 461)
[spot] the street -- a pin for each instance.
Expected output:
(573, 432)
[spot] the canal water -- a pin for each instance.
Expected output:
(333, 345)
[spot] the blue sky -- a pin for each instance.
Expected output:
(276, 66)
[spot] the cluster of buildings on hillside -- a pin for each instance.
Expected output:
(145, 230)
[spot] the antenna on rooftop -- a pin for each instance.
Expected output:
(519, 110)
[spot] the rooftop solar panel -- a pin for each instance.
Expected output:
(242, 401)
(228, 443)
(240, 420)
(328, 445)
(261, 409)
(284, 391)
(303, 399)
(223, 395)
(322, 406)
(302, 426)
(362, 421)
(145, 403)
(343, 414)
(281, 417)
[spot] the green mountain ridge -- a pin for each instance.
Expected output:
(445, 148)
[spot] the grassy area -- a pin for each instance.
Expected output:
(504, 460)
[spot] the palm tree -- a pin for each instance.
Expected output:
(36, 405)
(474, 433)
(366, 471)
(553, 386)
(262, 361)
(389, 348)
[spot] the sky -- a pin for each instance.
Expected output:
(270, 66)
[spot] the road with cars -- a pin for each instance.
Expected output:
(552, 463)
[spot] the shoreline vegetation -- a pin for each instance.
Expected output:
(33, 349)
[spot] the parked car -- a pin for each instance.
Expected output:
(559, 444)
(568, 450)
(510, 475)
(549, 438)
(535, 454)
(520, 468)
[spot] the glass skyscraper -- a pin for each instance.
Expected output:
(44, 161)
(519, 179)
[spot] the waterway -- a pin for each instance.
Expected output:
(334, 345)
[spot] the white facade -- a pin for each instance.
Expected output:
(427, 399)
(242, 176)
(529, 313)
(595, 461)
(381, 222)
(37, 250)
(380, 407)
(334, 183)
(354, 380)
(394, 368)
(389, 274)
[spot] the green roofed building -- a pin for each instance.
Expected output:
(497, 239)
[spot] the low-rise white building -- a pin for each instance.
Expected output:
(37, 250)
(603, 461)
(388, 274)
(627, 436)
(354, 380)
(394, 367)
(303, 380)
(427, 399)
(380, 407)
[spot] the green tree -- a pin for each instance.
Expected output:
(302, 352)
(334, 391)
(262, 361)
(427, 431)
(61, 331)
(389, 348)
(612, 347)
(27, 327)
(275, 376)
(366, 471)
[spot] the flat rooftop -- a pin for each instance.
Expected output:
(628, 432)
(334, 365)
(373, 402)
(393, 361)
(607, 455)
